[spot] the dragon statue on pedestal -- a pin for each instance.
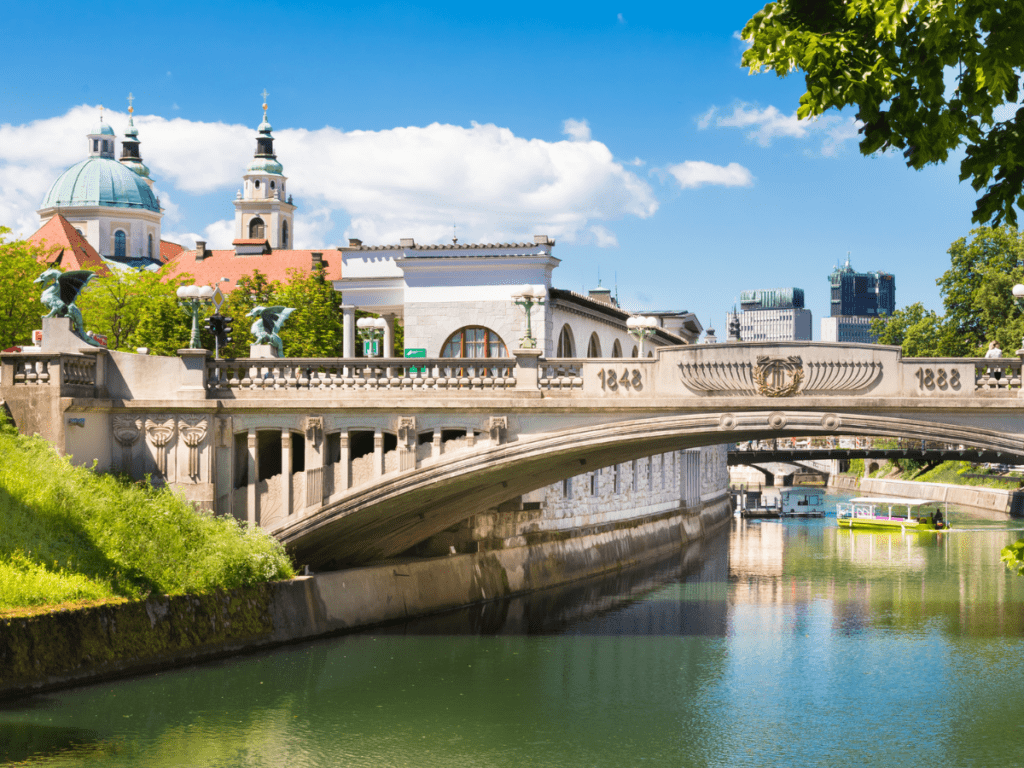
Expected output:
(267, 325)
(60, 291)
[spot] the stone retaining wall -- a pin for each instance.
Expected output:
(57, 650)
(992, 499)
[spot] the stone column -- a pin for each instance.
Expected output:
(348, 348)
(378, 453)
(346, 465)
(286, 471)
(250, 501)
(435, 444)
(389, 336)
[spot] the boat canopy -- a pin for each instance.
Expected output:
(891, 501)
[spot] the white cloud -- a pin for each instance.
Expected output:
(621, 18)
(697, 173)
(400, 182)
(219, 234)
(604, 237)
(769, 123)
(577, 130)
(705, 120)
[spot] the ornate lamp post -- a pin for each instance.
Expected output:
(194, 296)
(641, 327)
(526, 297)
(371, 330)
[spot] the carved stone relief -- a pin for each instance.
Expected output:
(193, 433)
(127, 430)
(498, 429)
(778, 376)
(160, 432)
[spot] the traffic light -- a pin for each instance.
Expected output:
(223, 334)
(211, 323)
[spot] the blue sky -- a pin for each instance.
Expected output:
(630, 134)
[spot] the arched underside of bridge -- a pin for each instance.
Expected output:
(797, 467)
(387, 517)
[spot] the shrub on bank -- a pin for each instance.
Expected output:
(71, 534)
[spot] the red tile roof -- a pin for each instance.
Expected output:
(70, 249)
(274, 265)
(169, 250)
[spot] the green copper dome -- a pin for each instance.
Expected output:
(101, 181)
(101, 128)
(265, 165)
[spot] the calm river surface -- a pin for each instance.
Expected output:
(782, 644)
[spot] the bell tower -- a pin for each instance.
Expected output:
(263, 208)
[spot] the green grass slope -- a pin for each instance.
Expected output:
(68, 534)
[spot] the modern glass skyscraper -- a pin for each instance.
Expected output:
(861, 293)
(857, 298)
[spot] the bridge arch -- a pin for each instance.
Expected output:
(385, 518)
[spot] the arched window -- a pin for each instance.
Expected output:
(120, 245)
(149, 246)
(594, 346)
(566, 343)
(284, 234)
(474, 341)
(256, 229)
(256, 183)
(617, 349)
(636, 352)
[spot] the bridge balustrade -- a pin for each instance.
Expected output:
(995, 374)
(311, 374)
(75, 375)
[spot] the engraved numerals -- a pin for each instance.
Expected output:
(625, 380)
(938, 378)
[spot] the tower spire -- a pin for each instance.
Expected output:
(130, 155)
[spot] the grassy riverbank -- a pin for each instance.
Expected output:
(70, 535)
(949, 472)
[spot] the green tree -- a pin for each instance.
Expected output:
(20, 308)
(918, 331)
(314, 329)
(891, 60)
(117, 304)
(977, 292)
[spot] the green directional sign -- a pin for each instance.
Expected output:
(371, 348)
(416, 353)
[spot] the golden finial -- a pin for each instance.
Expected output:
(130, 100)
(265, 94)
(101, 113)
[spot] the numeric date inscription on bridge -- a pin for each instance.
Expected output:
(624, 380)
(937, 378)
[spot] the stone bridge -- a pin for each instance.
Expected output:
(348, 460)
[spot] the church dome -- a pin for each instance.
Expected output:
(265, 165)
(101, 128)
(101, 181)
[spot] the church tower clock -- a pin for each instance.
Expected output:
(263, 208)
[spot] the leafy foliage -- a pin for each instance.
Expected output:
(20, 307)
(137, 308)
(891, 60)
(71, 534)
(977, 291)
(1013, 556)
(314, 328)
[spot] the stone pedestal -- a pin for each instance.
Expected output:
(526, 368)
(193, 373)
(57, 336)
(263, 351)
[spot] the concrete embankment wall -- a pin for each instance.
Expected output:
(56, 650)
(992, 499)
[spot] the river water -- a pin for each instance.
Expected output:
(777, 644)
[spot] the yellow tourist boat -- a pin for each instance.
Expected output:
(885, 514)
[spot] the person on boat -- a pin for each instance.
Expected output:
(938, 519)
